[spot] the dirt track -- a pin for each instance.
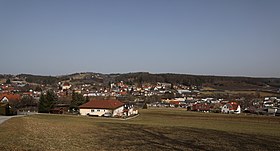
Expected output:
(4, 118)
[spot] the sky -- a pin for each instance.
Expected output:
(206, 37)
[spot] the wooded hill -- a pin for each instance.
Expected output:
(217, 81)
(145, 77)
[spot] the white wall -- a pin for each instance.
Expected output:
(118, 111)
(66, 87)
(95, 112)
(100, 112)
(238, 109)
(84, 111)
(225, 109)
(135, 112)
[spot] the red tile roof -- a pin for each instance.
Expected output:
(175, 102)
(102, 104)
(232, 105)
(66, 84)
(10, 96)
(201, 107)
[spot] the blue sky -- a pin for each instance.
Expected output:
(210, 37)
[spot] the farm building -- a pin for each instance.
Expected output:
(129, 110)
(203, 107)
(231, 107)
(102, 108)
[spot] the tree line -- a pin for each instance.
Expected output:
(185, 79)
(48, 101)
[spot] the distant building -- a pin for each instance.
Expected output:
(9, 98)
(182, 91)
(231, 107)
(201, 107)
(66, 86)
(129, 110)
(6, 101)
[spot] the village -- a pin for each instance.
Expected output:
(122, 99)
(148, 75)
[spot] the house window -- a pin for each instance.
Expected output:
(98, 110)
(92, 110)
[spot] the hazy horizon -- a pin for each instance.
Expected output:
(57, 75)
(218, 37)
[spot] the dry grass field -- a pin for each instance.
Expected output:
(154, 129)
(240, 92)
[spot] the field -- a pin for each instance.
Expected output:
(154, 129)
(240, 92)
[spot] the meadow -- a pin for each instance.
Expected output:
(153, 129)
(240, 93)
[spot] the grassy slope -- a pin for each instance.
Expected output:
(152, 130)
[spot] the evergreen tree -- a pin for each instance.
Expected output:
(8, 81)
(77, 100)
(51, 98)
(38, 88)
(47, 102)
(43, 104)
(87, 99)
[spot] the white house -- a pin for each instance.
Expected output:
(231, 107)
(102, 108)
(181, 91)
(4, 100)
(66, 86)
(129, 110)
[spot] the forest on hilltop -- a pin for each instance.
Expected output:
(145, 77)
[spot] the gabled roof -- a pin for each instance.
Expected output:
(175, 102)
(66, 84)
(232, 105)
(102, 104)
(10, 96)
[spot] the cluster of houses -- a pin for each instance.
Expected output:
(106, 108)
(12, 93)
(122, 89)
(201, 105)
(270, 105)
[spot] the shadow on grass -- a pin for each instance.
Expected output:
(119, 136)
